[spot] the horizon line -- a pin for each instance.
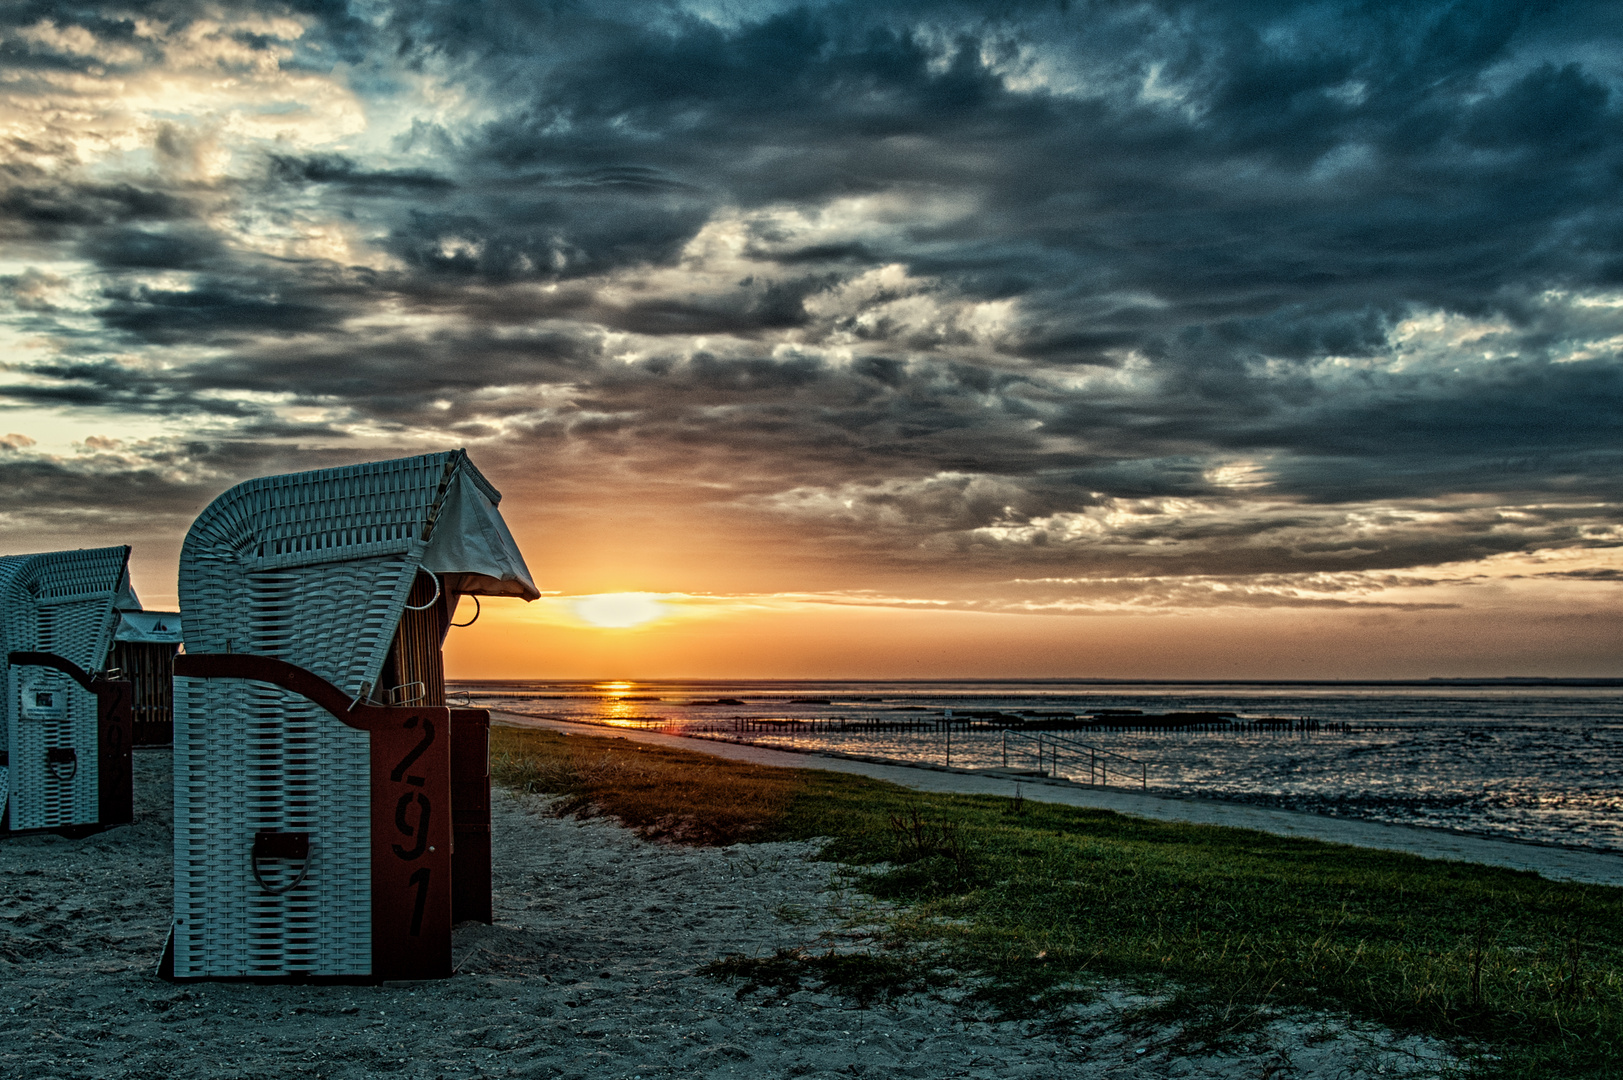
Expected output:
(1435, 680)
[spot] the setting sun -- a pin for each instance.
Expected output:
(617, 609)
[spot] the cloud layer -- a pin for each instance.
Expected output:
(1093, 292)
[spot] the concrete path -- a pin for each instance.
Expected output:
(1556, 863)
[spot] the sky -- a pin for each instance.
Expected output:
(913, 340)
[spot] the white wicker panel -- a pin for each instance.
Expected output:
(37, 796)
(259, 758)
(80, 631)
(47, 797)
(77, 628)
(204, 795)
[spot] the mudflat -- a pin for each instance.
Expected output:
(592, 969)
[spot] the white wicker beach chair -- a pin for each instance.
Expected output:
(66, 739)
(310, 726)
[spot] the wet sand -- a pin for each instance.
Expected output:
(590, 971)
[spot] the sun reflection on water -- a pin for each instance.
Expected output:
(619, 704)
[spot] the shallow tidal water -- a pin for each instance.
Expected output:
(1540, 763)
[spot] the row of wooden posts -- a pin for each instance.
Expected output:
(1030, 737)
(1048, 748)
(942, 725)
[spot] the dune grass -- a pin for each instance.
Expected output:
(672, 795)
(1037, 899)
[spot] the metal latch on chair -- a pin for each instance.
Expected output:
(285, 846)
(406, 693)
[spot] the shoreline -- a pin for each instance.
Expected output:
(1557, 863)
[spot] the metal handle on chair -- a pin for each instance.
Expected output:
(431, 600)
(57, 756)
(476, 610)
(280, 845)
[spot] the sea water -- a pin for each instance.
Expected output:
(1536, 762)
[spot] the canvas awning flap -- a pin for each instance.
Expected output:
(125, 599)
(472, 547)
(148, 627)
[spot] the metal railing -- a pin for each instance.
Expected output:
(1099, 759)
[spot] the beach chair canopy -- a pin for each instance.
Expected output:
(64, 602)
(315, 568)
(148, 628)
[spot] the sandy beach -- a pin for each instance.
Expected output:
(591, 970)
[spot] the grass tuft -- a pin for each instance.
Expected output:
(863, 977)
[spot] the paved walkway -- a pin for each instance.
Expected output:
(1556, 863)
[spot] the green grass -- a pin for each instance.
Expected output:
(1036, 900)
(672, 795)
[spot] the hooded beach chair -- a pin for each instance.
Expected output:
(144, 647)
(65, 744)
(331, 812)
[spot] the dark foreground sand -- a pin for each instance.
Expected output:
(590, 971)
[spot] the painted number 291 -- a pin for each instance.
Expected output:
(419, 877)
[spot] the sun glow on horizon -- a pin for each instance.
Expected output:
(617, 610)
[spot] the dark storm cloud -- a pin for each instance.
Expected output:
(1587, 575)
(143, 487)
(1362, 249)
(33, 207)
(97, 488)
(174, 315)
(115, 387)
(344, 173)
(1221, 210)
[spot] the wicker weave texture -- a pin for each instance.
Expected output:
(268, 760)
(59, 602)
(315, 569)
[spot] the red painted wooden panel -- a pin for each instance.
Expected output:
(470, 815)
(411, 845)
(116, 737)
